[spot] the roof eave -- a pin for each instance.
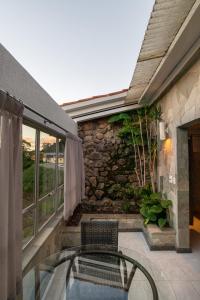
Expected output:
(181, 54)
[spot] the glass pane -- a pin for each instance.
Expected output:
(61, 149)
(28, 148)
(46, 209)
(60, 198)
(47, 169)
(28, 225)
(29, 285)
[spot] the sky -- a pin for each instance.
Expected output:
(76, 48)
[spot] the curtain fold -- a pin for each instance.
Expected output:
(11, 112)
(74, 175)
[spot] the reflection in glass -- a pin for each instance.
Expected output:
(61, 148)
(28, 225)
(48, 160)
(46, 209)
(60, 196)
(28, 148)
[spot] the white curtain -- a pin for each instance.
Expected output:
(11, 112)
(74, 177)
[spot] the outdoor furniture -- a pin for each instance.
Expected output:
(55, 279)
(100, 233)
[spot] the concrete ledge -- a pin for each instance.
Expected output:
(46, 243)
(159, 239)
(156, 238)
(183, 250)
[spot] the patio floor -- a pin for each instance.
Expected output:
(177, 275)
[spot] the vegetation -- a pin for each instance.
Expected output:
(154, 208)
(121, 192)
(139, 131)
(46, 184)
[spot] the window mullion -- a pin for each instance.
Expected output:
(56, 190)
(37, 179)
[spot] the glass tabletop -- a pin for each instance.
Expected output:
(93, 272)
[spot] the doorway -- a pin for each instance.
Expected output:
(194, 185)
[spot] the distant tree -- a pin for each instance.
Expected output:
(27, 154)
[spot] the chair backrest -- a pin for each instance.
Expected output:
(100, 233)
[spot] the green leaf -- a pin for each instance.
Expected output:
(144, 211)
(146, 221)
(162, 222)
(119, 118)
(152, 217)
(156, 209)
(155, 196)
(166, 203)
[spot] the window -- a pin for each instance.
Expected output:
(43, 179)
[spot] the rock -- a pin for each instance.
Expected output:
(99, 194)
(88, 132)
(98, 164)
(95, 155)
(99, 136)
(121, 162)
(93, 181)
(101, 179)
(87, 126)
(87, 189)
(88, 138)
(103, 125)
(132, 178)
(121, 178)
(100, 147)
(101, 185)
(114, 168)
(107, 202)
(127, 151)
(93, 198)
(105, 173)
(104, 130)
(97, 141)
(108, 135)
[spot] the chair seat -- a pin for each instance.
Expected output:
(81, 290)
(98, 270)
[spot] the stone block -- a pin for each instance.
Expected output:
(99, 194)
(160, 238)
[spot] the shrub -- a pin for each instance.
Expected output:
(154, 209)
(126, 206)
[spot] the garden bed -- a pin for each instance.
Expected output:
(102, 207)
(156, 238)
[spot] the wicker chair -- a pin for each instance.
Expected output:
(103, 269)
(100, 233)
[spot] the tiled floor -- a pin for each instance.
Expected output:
(177, 276)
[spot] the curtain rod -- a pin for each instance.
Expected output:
(45, 119)
(69, 134)
(40, 115)
(34, 111)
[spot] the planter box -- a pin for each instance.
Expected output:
(156, 238)
(159, 239)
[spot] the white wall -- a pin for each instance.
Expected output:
(20, 84)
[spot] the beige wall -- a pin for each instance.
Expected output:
(180, 106)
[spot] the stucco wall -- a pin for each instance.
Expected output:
(180, 106)
(19, 83)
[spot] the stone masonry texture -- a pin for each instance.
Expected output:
(108, 160)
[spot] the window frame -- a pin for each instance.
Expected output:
(38, 199)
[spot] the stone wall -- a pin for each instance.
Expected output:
(180, 106)
(109, 162)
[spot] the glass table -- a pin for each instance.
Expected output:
(92, 272)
